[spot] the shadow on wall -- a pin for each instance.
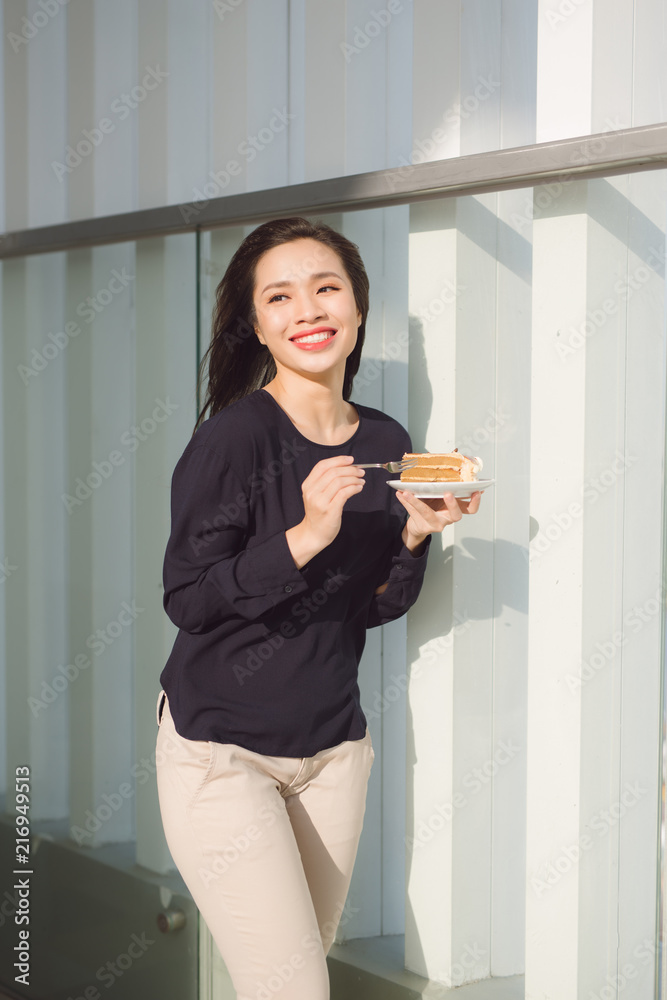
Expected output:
(420, 383)
(474, 557)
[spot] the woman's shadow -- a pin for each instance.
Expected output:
(496, 568)
(475, 579)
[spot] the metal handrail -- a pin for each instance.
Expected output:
(602, 154)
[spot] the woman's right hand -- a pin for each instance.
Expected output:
(326, 488)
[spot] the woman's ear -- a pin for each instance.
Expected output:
(358, 318)
(259, 336)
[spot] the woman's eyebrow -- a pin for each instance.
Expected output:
(313, 277)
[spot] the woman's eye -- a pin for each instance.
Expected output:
(323, 288)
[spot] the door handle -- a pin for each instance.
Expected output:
(171, 920)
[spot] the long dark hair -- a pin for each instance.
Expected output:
(237, 362)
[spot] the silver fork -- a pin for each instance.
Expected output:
(389, 466)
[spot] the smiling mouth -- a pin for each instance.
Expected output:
(316, 337)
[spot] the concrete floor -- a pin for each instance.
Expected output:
(373, 968)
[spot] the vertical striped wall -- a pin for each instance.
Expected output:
(112, 107)
(163, 101)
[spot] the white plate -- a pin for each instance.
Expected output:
(424, 490)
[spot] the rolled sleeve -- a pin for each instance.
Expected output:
(214, 568)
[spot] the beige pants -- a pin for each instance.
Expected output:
(266, 846)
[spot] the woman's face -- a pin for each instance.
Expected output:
(305, 307)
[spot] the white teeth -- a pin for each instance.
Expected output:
(314, 338)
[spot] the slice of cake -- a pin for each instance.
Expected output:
(451, 467)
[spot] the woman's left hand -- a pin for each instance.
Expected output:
(427, 516)
(434, 513)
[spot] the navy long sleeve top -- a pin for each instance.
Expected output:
(267, 655)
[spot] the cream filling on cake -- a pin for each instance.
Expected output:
(450, 467)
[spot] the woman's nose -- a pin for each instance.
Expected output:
(309, 308)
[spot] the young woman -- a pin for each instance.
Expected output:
(282, 554)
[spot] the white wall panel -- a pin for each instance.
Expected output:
(115, 106)
(505, 430)
(613, 65)
(228, 103)
(564, 39)
(519, 69)
(189, 97)
(166, 366)
(80, 178)
(643, 573)
(296, 137)
(34, 401)
(47, 519)
(102, 745)
(15, 587)
(472, 592)
(16, 115)
(469, 357)
(393, 706)
(378, 885)
(554, 715)
(153, 159)
(264, 152)
(365, 103)
(80, 592)
(398, 86)
(554, 812)
(366, 229)
(649, 100)
(481, 75)
(602, 591)
(430, 941)
(324, 91)
(436, 85)
(47, 122)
